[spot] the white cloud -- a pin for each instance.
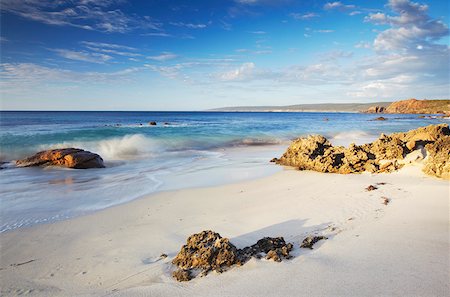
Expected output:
(83, 56)
(338, 5)
(104, 15)
(189, 25)
(410, 27)
(108, 45)
(304, 16)
(324, 31)
(363, 44)
(21, 78)
(165, 56)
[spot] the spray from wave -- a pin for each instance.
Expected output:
(117, 148)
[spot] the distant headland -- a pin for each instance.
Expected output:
(403, 106)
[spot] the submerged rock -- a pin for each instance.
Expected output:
(383, 155)
(67, 157)
(207, 251)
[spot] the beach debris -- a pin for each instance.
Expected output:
(311, 240)
(65, 157)
(381, 183)
(371, 188)
(386, 154)
(22, 263)
(152, 123)
(208, 251)
(386, 200)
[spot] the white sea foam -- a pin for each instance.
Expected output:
(118, 148)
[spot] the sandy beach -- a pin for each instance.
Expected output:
(373, 249)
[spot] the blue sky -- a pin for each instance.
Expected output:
(194, 55)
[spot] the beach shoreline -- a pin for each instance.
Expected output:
(374, 249)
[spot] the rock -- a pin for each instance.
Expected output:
(386, 200)
(267, 245)
(438, 163)
(386, 154)
(67, 157)
(419, 106)
(380, 119)
(207, 250)
(309, 241)
(375, 109)
(371, 188)
(182, 275)
(152, 123)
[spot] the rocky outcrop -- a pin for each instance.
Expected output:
(386, 154)
(375, 109)
(67, 157)
(438, 158)
(419, 106)
(207, 251)
(413, 106)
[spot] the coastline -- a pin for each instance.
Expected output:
(373, 249)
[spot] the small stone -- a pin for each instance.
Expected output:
(371, 188)
(309, 241)
(273, 255)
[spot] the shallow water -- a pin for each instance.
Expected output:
(185, 149)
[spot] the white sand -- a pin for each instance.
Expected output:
(401, 249)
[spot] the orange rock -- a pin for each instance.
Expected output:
(67, 157)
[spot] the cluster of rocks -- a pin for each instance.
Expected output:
(385, 154)
(208, 251)
(66, 157)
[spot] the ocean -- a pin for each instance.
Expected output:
(184, 149)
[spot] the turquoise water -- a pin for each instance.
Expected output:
(185, 149)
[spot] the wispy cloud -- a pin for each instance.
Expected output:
(157, 34)
(324, 31)
(304, 16)
(83, 56)
(258, 32)
(103, 15)
(109, 48)
(189, 25)
(165, 56)
(338, 5)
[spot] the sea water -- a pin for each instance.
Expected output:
(184, 149)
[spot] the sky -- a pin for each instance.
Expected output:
(196, 55)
